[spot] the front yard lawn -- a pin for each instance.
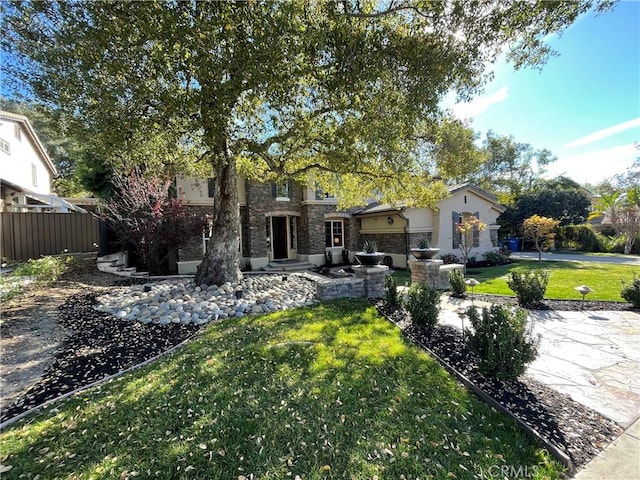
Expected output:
(331, 391)
(604, 278)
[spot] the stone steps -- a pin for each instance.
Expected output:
(288, 266)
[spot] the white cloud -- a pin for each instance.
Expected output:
(478, 105)
(604, 133)
(595, 165)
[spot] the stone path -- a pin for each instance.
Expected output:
(592, 356)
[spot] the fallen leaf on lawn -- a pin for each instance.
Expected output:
(189, 468)
(325, 468)
(5, 468)
(202, 446)
(221, 452)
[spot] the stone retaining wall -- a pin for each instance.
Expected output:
(368, 282)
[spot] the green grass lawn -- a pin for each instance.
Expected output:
(604, 278)
(331, 391)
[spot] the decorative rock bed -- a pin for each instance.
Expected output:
(182, 302)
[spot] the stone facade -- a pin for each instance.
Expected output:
(387, 242)
(193, 249)
(415, 238)
(262, 204)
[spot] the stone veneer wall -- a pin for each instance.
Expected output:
(387, 242)
(311, 232)
(244, 226)
(354, 243)
(192, 250)
(414, 239)
(259, 203)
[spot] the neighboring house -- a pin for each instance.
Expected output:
(289, 221)
(26, 171)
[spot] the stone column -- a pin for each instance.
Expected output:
(427, 271)
(373, 279)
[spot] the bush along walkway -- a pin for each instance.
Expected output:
(575, 433)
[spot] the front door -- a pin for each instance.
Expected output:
(279, 238)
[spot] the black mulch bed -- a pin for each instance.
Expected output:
(575, 429)
(100, 345)
(564, 305)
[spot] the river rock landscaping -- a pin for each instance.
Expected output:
(185, 303)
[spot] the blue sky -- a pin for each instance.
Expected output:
(584, 105)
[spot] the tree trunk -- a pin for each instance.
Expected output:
(221, 262)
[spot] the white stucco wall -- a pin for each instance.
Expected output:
(16, 166)
(196, 191)
(465, 201)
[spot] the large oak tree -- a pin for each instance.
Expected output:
(343, 93)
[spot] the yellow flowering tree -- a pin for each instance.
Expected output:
(540, 230)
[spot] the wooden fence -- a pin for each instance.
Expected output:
(31, 235)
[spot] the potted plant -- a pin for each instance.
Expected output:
(424, 250)
(369, 256)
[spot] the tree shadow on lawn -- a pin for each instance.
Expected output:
(311, 392)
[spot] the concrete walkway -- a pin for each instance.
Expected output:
(594, 357)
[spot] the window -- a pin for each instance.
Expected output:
(18, 132)
(472, 237)
(322, 195)
(280, 190)
(211, 185)
(334, 233)
(34, 175)
(4, 146)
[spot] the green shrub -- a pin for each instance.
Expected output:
(631, 292)
(528, 285)
(610, 244)
(391, 291)
(503, 341)
(423, 303)
(456, 280)
(44, 270)
(577, 237)
(449, 258)
(497, 257)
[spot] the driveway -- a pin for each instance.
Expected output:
(594, 357)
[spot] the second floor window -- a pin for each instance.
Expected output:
(280, 190)
(34, 174)
(4, 146)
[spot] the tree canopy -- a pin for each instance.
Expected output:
(561, 198)
(342, 93)
(510, 168)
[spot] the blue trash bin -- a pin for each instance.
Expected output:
(513, 244)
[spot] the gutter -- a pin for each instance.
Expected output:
(407, 248)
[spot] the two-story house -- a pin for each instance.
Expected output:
(26, 171)
(292, 222)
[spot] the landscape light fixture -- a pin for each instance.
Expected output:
(583, 290)
(462, 312)
(472, 282)
(390, 220)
